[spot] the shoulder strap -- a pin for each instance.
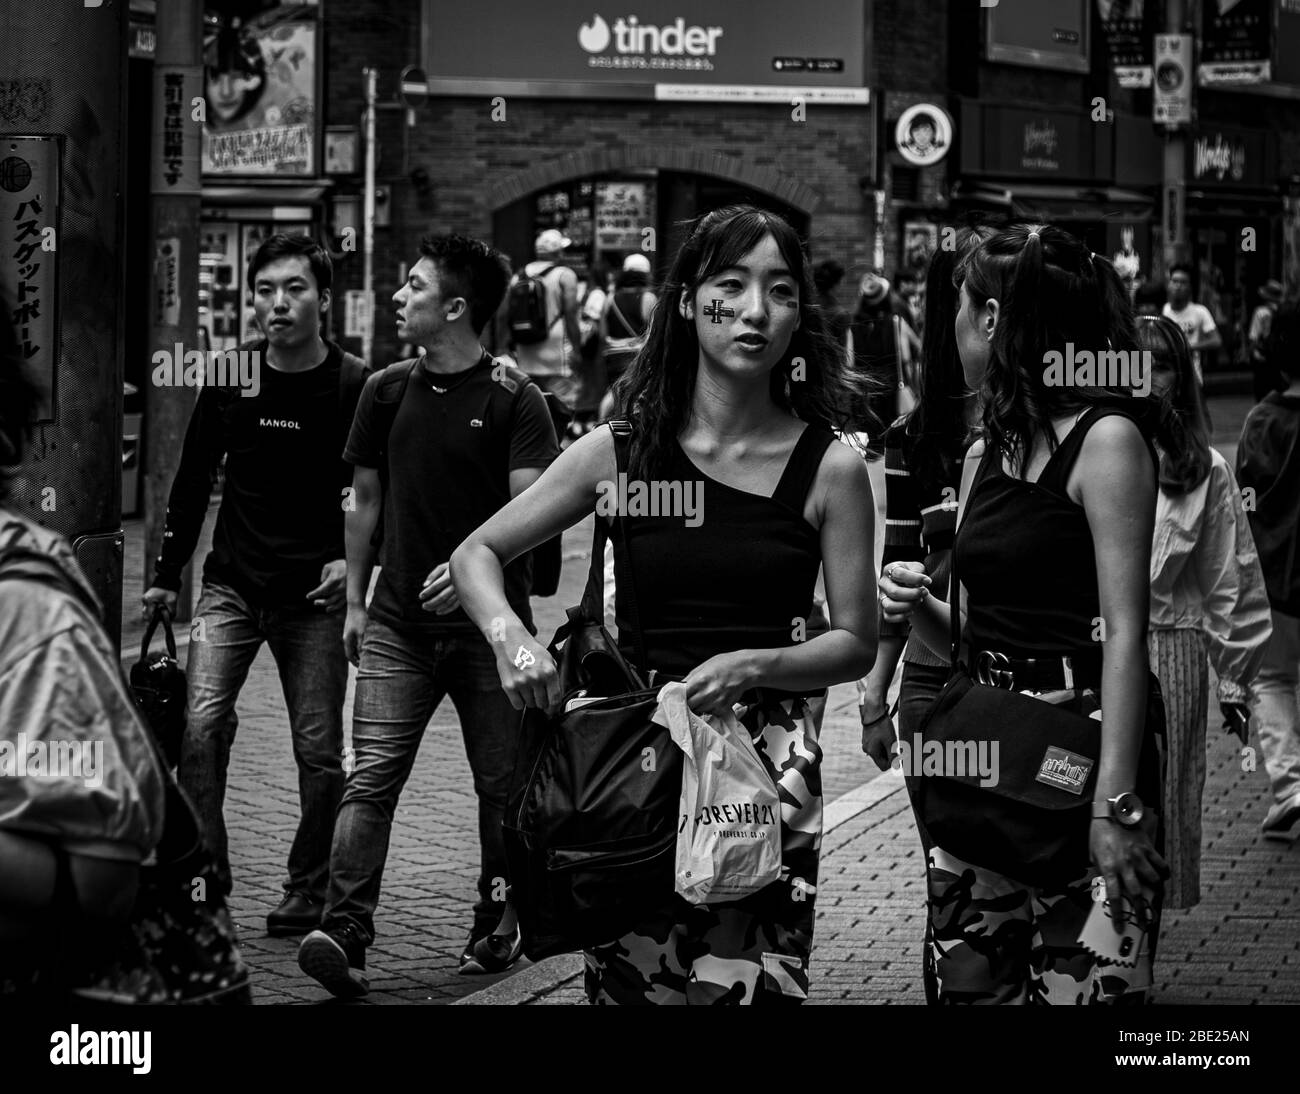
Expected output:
(613, 306)
(352, 375)
(395, 378)
(801, 467)
(593, 596)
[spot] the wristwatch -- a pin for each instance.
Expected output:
(1125, 809)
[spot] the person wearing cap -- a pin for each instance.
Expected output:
(549, 362)
(1261, 323)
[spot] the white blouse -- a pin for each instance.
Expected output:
(1205, 575)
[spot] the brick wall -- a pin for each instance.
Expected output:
(918, 52)
(471, 159)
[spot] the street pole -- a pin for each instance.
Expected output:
(178, 111)
(368, 250)
(1174, 190)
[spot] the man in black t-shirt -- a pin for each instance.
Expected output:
(277, 571)
(439, 444)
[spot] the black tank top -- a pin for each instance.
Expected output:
(1025, 555)
(739, 580)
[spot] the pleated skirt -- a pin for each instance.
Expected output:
(1178, 660)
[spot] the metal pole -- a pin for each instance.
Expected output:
(174, 288)
(368, 248)
(1175, 166)
(62, 107)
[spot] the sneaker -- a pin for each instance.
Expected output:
(297, 914)
(336, 960)
(1277, 825)
(491, 953)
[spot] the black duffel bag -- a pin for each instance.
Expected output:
(591, 823)
(158, 684)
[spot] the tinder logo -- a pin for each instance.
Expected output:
(671, 40)
(594, 36)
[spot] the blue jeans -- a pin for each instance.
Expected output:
(401, 681)
(307, 645)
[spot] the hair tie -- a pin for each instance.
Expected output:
(1033, 234)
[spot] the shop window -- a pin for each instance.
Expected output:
(906, 183)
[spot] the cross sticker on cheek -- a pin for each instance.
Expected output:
(716, 311)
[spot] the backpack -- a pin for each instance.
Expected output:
(526, 308)
(391, 390)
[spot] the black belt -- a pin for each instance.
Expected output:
(997, 670)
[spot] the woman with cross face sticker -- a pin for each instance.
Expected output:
(733, 396)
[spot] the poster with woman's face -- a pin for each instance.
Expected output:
(260, 96)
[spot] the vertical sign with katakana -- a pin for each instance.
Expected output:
(178, 131)
(29, 252)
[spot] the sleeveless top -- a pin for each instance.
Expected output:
(740, 578)
(1025, 555)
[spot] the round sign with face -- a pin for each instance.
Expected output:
(924, 134)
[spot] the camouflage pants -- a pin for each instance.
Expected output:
(993, 940)
(754, 950)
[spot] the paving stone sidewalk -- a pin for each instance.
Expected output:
(1241, 944)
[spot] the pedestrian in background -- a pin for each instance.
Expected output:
(1261, 323)
(594, 292)
(883, 346)
(438, 444)
(277, 568)
(923, 460)
(1207, 597)
(1268, 465)
(1057, 507)
(827, 276)
(548, 356)
(1193, 319)
(713, 400)
(623, 322)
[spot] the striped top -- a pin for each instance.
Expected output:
(919, 527)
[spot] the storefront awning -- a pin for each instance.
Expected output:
(1047, 202)
(299, 192)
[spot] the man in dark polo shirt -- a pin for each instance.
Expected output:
(277, 571)
(439, 444)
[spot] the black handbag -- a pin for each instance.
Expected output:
(1032, 824)
(591, 822)
(158, 684)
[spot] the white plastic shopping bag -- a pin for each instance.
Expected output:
(729, 831)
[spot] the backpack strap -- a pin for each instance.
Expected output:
(389, 393)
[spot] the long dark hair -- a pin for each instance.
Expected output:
(1183, 426)
(1052, 291)
(660, 381)
(936, 430)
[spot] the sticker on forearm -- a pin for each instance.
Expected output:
(1063, 769)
